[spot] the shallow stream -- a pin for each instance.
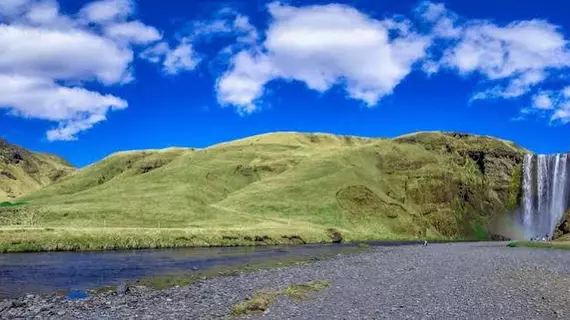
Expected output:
(51, 272)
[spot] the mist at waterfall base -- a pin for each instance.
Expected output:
(545, 195)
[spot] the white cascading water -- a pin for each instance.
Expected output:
(546, 190)
(528, 203)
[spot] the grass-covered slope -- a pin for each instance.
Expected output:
(23, 171)
(275, 187)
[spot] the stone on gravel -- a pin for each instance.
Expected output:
(5, 305)
(122, 289)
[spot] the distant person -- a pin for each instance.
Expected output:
(425, 243)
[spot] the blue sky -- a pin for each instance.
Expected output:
(85, 79)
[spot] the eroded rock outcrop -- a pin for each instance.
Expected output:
(563, 227)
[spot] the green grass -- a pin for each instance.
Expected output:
(304, 290)
(261, 300)
(275, 185)
(29, 239)
(258, 303)
(540, 245)
(8, 204)
(23, 171)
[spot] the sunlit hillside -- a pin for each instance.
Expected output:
(425, 185)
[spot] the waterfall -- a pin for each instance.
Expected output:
(528, 203)
(545, 192)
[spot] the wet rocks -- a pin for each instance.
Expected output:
(122, 289)
(564, 226)
(8, 304)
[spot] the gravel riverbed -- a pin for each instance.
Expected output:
(440, 281)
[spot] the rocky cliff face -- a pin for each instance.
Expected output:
(485, 189)
(23, 171)
(563, 228)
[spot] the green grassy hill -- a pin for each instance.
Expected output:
(277, 188)
(23, 171)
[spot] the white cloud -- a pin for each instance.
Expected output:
(156, 53)
(517, 86)
(42, 99)
(503, 52)
(443, 20)
(323, 46)
(181, 58)
(247, 33)
(46, 14)
(133, 32)
(107, 11)
(566, 92)
(173, 60)
(244, 83)
(552, 103)
(38, 52)
(208, 28)
(10, 8)
(512, 60)
(515, 57)
(543, 101)
(562, 114)
(227, 22)
(44, 52)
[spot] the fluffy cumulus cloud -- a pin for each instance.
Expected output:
(519, 54)
(336, 45)
(106, 11)
(323, 46)
(48, 57)
(513, 59)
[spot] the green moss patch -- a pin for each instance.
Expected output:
(302, 291)
(261, 301)
(540, 245)
(258, 303)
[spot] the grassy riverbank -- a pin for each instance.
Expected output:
(565, 245)
(19, 239)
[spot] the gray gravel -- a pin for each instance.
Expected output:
(440, 281)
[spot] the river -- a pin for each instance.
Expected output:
(53, 272)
